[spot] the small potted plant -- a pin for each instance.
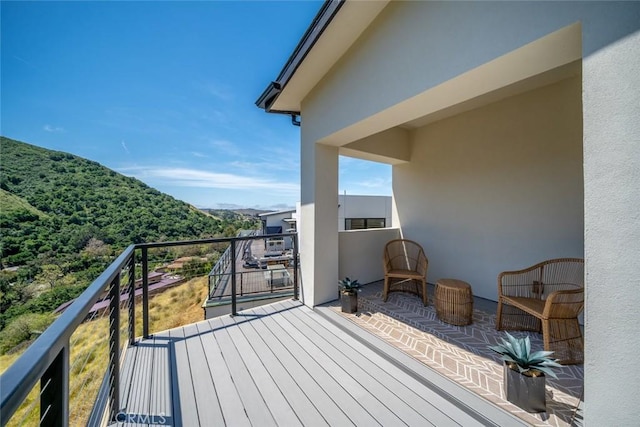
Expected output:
(524, 373)
(349, 295)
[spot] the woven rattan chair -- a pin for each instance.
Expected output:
(405, 268)
(547, 297)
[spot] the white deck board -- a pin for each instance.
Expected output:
(357, 400)
(215, 400)
(252, 401)
(282, 412)
(330, 410)
(291, 390)
(276, 365)
(183, 392)
(401, 393)
(160, 396)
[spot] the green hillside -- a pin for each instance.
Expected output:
(56, 208)
(18, 208)
(66, 200)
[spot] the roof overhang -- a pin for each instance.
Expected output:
(335, 28)
(266, 214)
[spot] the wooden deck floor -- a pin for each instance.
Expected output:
(284, 365)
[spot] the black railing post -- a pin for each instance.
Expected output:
(270, 280)
(54, 395)
(233, 278)
(241, 285)
(132, 299)
(114, 348)
(145, 293)
(295, 267)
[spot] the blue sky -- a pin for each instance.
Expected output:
(165, 92)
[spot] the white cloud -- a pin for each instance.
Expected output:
(277, 164)
(227, 147)
(218, 90)
(216, 117)
(184, 177)
(125, 147)
(53, 129)
(375, 183)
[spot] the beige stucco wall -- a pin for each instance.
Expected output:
(497, 188)
(421, 44)
(361, 253)
(414, 47)
(318, 207)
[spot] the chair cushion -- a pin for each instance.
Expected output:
(404, 273)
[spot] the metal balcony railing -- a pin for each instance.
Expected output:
(259, 270)
(42, 375)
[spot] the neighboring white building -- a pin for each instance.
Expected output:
(364, 212)
(513, 133)
(278, 222)
(354, 213)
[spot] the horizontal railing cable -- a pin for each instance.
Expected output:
(58, 352)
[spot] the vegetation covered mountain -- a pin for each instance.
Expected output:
(63, 219)
(66, 200)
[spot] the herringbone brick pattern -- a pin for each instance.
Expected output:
(461, 352)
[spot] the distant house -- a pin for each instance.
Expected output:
(513, 133)
(278, 222)
(152, 277)
(355, 212)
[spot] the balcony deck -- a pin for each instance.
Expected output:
(461, 353)
(285, 364)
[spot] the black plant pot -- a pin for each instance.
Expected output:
(349, 302)
(524, 391)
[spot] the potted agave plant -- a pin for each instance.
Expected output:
(524, 373)
(349, 295)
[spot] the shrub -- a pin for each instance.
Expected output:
(24, 328)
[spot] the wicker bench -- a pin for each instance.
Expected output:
(548, 298)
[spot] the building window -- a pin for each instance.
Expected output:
(363, 223)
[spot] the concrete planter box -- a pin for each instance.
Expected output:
(524, 391)
(349, 302)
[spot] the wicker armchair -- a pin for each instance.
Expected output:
(547, 297)
(405, 264)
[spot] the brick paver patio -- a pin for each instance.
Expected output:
(461, 352)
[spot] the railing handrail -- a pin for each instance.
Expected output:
(209, 241)
(22, 376)
(26, 371)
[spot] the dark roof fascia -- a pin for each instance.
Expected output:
(322, 20)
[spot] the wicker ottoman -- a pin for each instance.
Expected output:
(454, 302)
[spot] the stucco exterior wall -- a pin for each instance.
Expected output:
(414, 46)
(497, 188)
(319, 199)
(361, 253)
(612, 231)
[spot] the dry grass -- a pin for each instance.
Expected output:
(175, 307)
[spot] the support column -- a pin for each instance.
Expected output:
(612, 230)
(319, 222)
